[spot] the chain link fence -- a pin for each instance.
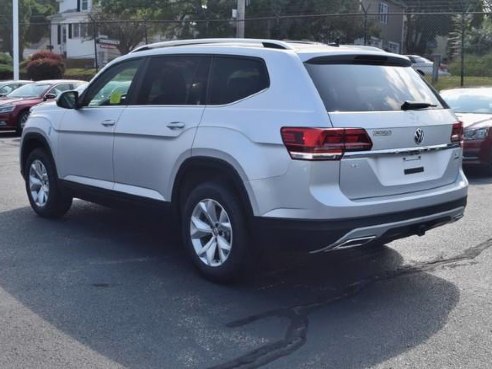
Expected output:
(460, 43)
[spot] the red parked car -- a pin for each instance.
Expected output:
(14, 108)
(473, 106)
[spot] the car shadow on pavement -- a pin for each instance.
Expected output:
(478, 176)
(8, 134)
(117, 282)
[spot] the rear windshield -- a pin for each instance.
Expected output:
(363, 87)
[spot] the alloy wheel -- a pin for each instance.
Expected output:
(211, 233)
(39, 184)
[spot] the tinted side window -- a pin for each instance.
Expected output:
(234, 78)
(112, 87)
(175, 80)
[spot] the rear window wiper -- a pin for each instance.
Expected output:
(414, 105)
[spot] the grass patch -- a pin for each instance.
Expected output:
(79, 73)
(455, 82)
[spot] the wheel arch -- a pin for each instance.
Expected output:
(200, 169)
(30, 142)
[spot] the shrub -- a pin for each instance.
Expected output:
(5, 59)
(45, 65)
(45, 54)
(80, 73)
(6, 72)
(475, 65)
(40, 69)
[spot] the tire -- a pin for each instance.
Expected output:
(46, 197)
(21, 121)
(216, 210)
(488, 168)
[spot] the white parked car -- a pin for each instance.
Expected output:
(319, 147)
(425, 66)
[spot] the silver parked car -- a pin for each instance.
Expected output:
(309, 145)
(7, 87)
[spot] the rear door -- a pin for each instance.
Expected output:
(412, 148)
(155, 133)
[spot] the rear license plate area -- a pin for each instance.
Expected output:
(413, 170)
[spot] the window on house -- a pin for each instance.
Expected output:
(84, 5)
(394, 47)
(84, 30)
(383, 13)
(76, 30)
(79, 30)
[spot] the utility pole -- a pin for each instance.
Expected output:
(15, 37)
(366, 11)
(241, 15)
(96, 40)
(462, 51)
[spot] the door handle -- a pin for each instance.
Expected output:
(108, 122)
(176, 125)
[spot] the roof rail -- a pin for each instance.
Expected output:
(305, 42)
(273, 44)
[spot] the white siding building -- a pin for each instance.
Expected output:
(71, 32)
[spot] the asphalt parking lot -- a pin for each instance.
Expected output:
(106, 288)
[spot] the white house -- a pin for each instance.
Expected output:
(72, 33)
(389, 17)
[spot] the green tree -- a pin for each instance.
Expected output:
(38, 21)
(203, 18)
(130, 21)
(335, 26)
(422, 28)
(6, 24)
(477, 40)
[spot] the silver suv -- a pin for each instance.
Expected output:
(320, 147)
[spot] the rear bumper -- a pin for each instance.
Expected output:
(325, 235)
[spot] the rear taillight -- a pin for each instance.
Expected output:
(324, 143)
(457, 133)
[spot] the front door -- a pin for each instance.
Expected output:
(85, 153)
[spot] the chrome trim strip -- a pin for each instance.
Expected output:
(405, 151)
(314, 156)
(378, 230)
(354, 242)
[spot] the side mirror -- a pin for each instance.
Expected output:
(49, 97)
(68, 100)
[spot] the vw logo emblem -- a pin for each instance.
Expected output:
(419, 136)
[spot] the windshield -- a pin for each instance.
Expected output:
(478, 102)
(30, 90)
(6, 89)
(351, 87)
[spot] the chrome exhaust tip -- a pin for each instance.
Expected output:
(354, 242)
